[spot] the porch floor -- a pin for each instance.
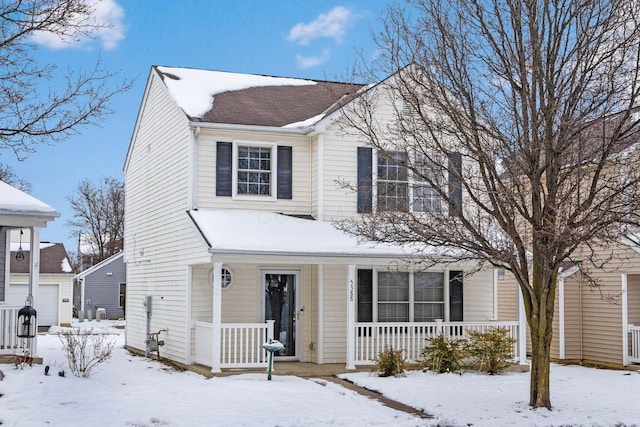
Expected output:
(298, 369)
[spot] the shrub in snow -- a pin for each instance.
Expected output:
(390, 362)
(84, 349)
(443, 354)
(491, 350)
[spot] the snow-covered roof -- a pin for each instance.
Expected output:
(246, 231)
(17, 202)
(194, 90)
(220, 97)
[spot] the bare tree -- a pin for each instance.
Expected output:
(513, 128)
(32, 112)
(99, 216)
(9, 176)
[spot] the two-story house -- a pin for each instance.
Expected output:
(233, 184)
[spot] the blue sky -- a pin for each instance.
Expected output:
(308, 39)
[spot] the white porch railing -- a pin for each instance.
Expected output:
(9, 340)
(240, 344)
(372, 338)
(634, 347)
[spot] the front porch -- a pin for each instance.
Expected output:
(241, 344)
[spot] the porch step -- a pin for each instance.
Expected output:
(371, 394)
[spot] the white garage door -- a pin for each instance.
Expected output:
(47, 305)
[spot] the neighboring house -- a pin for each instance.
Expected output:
(597, 309)
(19, 210)
(88, 253)
(56, 281)
(231, 191)
(102, 286)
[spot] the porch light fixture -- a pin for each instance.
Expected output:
(20, 254)
(27, 319)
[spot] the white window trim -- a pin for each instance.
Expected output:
(274, 171)
(374, 291)
(120, 294)
(411, 183)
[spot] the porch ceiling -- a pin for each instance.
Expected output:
(244, 232)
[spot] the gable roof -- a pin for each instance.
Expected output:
(53, 259)
(98, 266)
(249, 99)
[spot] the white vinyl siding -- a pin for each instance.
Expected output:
(160, 240)
(299, 204)
(335, 313)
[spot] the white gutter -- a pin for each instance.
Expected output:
(253, 128)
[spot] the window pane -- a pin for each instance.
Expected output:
(254, 170)
(393, 312)
(393, 286)
(428, 286)
(425, 199)
(428, 312)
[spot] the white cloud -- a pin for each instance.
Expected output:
(332, 25)
(312, 61)
(107, 14)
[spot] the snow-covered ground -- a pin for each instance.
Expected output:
(129, 390)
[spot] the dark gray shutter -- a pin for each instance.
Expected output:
(224, 168)
(284, 172)
(455, 183)
(365, 180)
(365, 295)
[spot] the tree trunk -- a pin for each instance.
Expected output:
(540, 312)
(541, 335)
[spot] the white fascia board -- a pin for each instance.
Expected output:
(252, 128)
(569, 272)
(99, 265)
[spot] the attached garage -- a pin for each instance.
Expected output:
(47, 305)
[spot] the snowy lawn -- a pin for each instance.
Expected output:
(133, 391)
(581, 397)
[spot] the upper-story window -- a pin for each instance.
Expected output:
(393, 182)
(395, 187)
(263, 170)
(254, 170)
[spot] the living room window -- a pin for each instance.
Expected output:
(397, 296)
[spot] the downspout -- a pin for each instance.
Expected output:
(320, 177)
(561, 334)
(7, 262)
(320, 338)
(625, 322)
(192, 174)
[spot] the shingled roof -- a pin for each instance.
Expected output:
(249, 99)
(53, 259)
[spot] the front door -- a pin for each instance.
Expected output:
(280, 304)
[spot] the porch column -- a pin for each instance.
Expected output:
(217, 317)
(625, 322)
(34, 280)
(522, 330)
(351, 316)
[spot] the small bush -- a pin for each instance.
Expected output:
(390, 362)
(443, 354)
(491, 349)
(84, 349)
